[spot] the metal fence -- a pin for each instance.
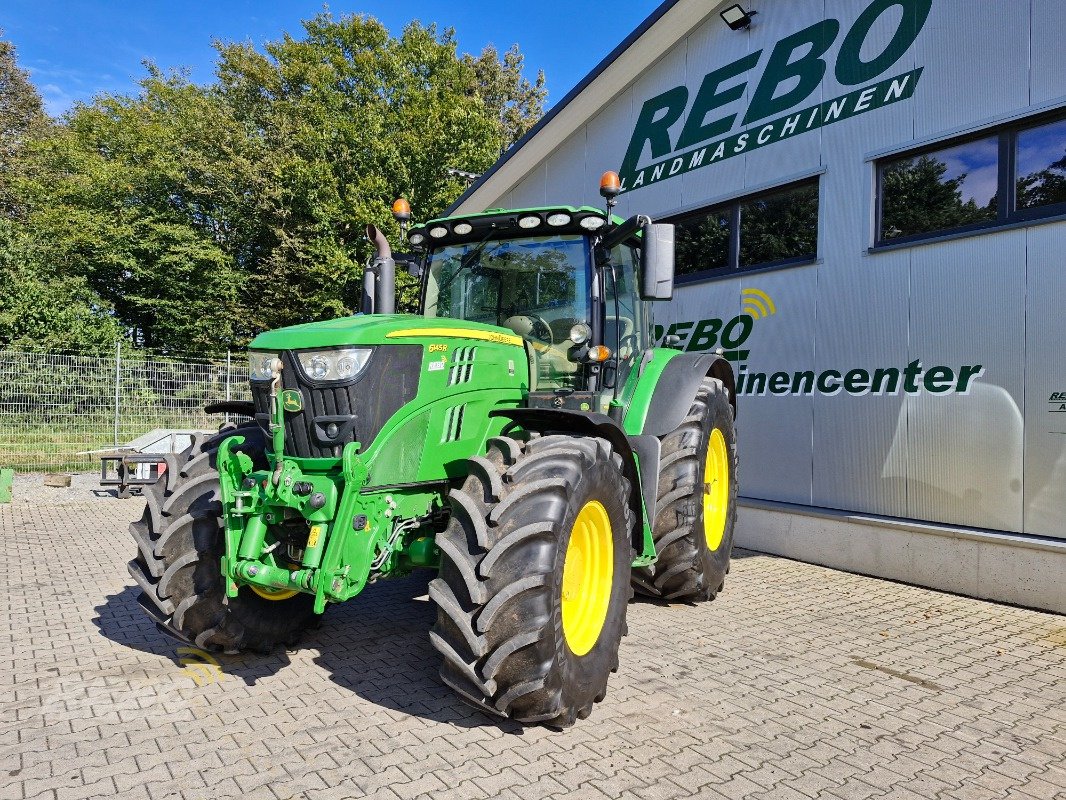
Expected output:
(55, 409)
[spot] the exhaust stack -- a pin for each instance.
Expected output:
(379, 280)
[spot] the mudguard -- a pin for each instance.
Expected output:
(676, 388)
(646, 449)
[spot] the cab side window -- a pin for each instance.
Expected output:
(624, 329)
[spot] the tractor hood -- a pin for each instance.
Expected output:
(378, 329)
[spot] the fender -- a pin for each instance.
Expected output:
(646, 449)
(672, 389)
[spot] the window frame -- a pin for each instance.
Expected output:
(1007, 214)
(731, 209)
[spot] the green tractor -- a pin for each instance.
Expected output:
(521, 435)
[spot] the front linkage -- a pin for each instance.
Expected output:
(333, 566)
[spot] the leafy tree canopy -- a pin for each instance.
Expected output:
(22, 118)
(45, 312)
(202, 215)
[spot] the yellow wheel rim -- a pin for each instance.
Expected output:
(273, 594)
(715, 489)
(268, 593)
(588, 573)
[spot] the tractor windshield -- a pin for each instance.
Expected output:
(538, 287)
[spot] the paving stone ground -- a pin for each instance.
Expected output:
(798, 682)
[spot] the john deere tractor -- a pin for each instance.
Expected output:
(521, 435)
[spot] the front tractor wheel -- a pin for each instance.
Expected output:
(534, 578)
(696, 508)
(179, 553)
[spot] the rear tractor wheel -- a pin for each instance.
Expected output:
(179, 550)
(534, 584)
(697, 502)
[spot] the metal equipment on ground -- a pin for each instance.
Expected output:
(140, 462)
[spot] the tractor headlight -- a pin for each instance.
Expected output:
(333, 365)
(259, 365)
(580, 333)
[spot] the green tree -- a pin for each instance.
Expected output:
(40, 308)
(504, 90)
(140, 197)
(205, 214)
(22, 119)
(354, 117)
(42, 311)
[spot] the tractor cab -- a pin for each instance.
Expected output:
(571, 282)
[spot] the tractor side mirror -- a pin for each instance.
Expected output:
(657, 262)
(410, 262)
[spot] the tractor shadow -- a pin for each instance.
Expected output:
(375, 646)
(121, 619)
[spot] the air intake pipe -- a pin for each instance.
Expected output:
(379, 280)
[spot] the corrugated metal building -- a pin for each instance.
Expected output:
(871, 210)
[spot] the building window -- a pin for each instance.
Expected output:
(1040, 156)
(1009, 174)
(944, 190)
(701, 244)
(769, 229)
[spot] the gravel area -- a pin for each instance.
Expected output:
(28, 489)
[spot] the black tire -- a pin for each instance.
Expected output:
(687, 568)
(499, 622)
(179, 549)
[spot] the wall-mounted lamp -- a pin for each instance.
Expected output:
(737, 18)
(469, 177)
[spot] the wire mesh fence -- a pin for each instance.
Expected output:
(56, 409)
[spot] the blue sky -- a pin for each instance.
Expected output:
(74, 50)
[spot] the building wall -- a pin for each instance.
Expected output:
(993, 457)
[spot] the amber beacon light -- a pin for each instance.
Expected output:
(610, 187)
(401, 210)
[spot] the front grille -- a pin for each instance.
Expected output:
(359, 409)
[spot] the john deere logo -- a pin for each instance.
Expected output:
(292, 400)
(794, 70)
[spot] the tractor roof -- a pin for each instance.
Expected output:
(442, 230)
